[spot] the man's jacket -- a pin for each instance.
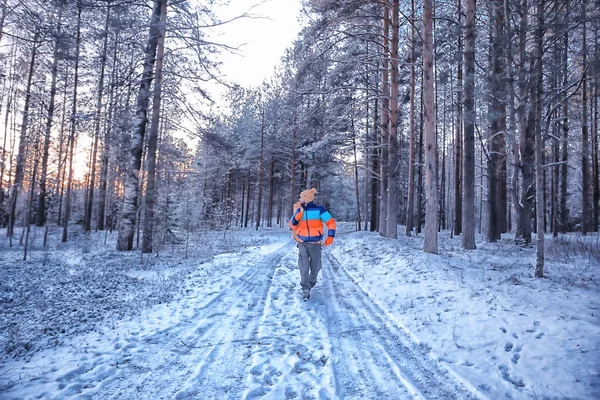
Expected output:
(308, 224)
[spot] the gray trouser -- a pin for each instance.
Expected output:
(310, 264)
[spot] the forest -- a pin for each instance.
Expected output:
(448, 116)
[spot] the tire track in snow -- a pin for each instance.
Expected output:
(215, 358)
(292, 361)
(373, 357)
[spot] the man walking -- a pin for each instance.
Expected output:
(307, 227)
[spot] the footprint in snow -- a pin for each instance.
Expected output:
(515, 358)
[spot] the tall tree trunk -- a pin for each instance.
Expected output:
(247, 218)
(442, 221)
(293, 193)
(595, 149)
(260, 165)
(131, 196)
(458, 140)
(243, 198)
(20, 170)
(356, 186)
(41, 214)
(367, 143)
(73, 127)
(10, 101)
(526, 139)
(511, 131)
(107, 144)
(92, 183)
(500, 44)
(63, 152)
(497, 145)
(411, 158)
(392, 198)
(564, 168)
(27, 222)
(375, 168)
(539, 144)
(555, 210)
(586, 215)
(385, 120)
(271, 192)
(3, 15)
(468, 222)
(431, 176)
(420, 171)
(153, 134)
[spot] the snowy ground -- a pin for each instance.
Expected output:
(385, 321)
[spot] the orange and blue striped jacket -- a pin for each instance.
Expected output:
(308, 224)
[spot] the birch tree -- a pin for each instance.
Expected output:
(131, 196)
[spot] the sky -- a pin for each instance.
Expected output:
(263, 39)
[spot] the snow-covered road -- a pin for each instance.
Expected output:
(249, 335)
(374, 358)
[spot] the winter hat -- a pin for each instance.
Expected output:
(308, 195)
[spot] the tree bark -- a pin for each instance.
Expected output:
(586, 215)
(595, 149)
(526, 139)
(564, 211)
(62, 163)
(131, 196)
(385, 117)
(431, 176)
(374, 179)
(10, 101)
(271, 192)
(458, 140)
(260, 165)
(293, 193)
(27, 222)
(153, 134)
(420, 171)
(497, 141)
(392, 198)
(411, 158)
(468, 222)
(539, 143)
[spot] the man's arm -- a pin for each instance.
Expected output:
(295, 220)
(331, 226)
